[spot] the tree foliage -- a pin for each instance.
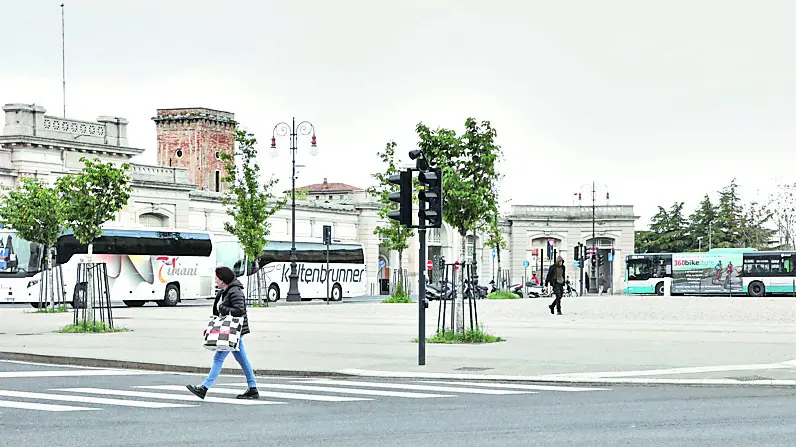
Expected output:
(728, 223)
(92, 197)
(469, 171)
(248, 203)
(33, 210)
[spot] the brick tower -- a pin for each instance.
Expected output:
(193, 139)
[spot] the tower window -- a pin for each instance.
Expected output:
(218, 155)
(179, 153)
(218, 181)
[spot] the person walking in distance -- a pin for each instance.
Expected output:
(556, 276)
(229, 301)
(602, 283)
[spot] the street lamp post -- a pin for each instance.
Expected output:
(593, 277)
(285, 129)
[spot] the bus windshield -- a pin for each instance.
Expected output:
(18, 256)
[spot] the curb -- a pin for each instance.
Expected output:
(124, 364)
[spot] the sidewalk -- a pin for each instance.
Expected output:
(597, 338)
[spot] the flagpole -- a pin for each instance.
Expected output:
(63, 57)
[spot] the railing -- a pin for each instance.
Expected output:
(158, 174)
(75, 127)
(600, 211)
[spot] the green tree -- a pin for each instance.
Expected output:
(33, 210)
(497, 241)
(701, 223)
(469, 177)
(249, 203)
(668, 231)
(479, 147)
(91, 198)
(727, 230)
(393, 235)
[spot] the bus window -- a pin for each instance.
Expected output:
(18, 256)
(638, 269)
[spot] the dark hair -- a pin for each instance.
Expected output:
(225, 274)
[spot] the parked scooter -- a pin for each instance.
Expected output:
(516, 289)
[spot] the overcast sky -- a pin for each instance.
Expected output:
(655, 101)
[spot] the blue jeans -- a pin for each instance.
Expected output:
(242, 359)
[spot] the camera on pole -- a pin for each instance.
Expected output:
(403, 197)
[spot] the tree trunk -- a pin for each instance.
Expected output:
(459, 307)
(474, 272)
(258, 283)
(399, 275)
(89, 293)
(497, 252)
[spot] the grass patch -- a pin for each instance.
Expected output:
(502, 295)
(87, 327)
(398, 299)
(473, 336)
(52, 310)
(256, 304)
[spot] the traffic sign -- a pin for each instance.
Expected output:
(430, 264)
(457, 265)
(577, 264)
(525, 263)
(494, 253)
(551, 241)
(382, 263)
(610, 257)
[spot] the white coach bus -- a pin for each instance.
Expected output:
(163, 266)
(347, 275)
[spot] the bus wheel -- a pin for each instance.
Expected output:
(659, 289)
(273, 293)
(337, 292)
(129, 303)
(171, 297)
(757, 289)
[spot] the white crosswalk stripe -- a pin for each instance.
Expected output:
(444, 389)
(519, 386)
(41, 407)
(167, 396)
(326, 389)
(89, 400)
(265, 393)
(273, 391)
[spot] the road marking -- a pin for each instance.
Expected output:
(90, 400)
(444, 389)
(520, 386)
(672, 371)
(74, 373)
(166, 396)
(41, 407)
(348, 391)
(277, 395)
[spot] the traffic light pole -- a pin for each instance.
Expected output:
(421, 295)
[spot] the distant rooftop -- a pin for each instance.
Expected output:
(194, 113)
(327, 187)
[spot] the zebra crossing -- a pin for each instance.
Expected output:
(272, 392)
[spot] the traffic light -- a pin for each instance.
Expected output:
(430, 196)
(403, 197)
(577, 253)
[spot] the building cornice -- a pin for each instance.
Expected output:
(12, 141)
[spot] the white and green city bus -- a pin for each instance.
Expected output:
(723, 271)
(645, 273)
(769, 273)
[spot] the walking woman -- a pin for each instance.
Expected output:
(229, 301)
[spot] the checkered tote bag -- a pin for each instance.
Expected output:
(223, 333)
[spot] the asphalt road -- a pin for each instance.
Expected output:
(154, 410)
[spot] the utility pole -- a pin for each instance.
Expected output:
(63, 57)
(593, 230)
